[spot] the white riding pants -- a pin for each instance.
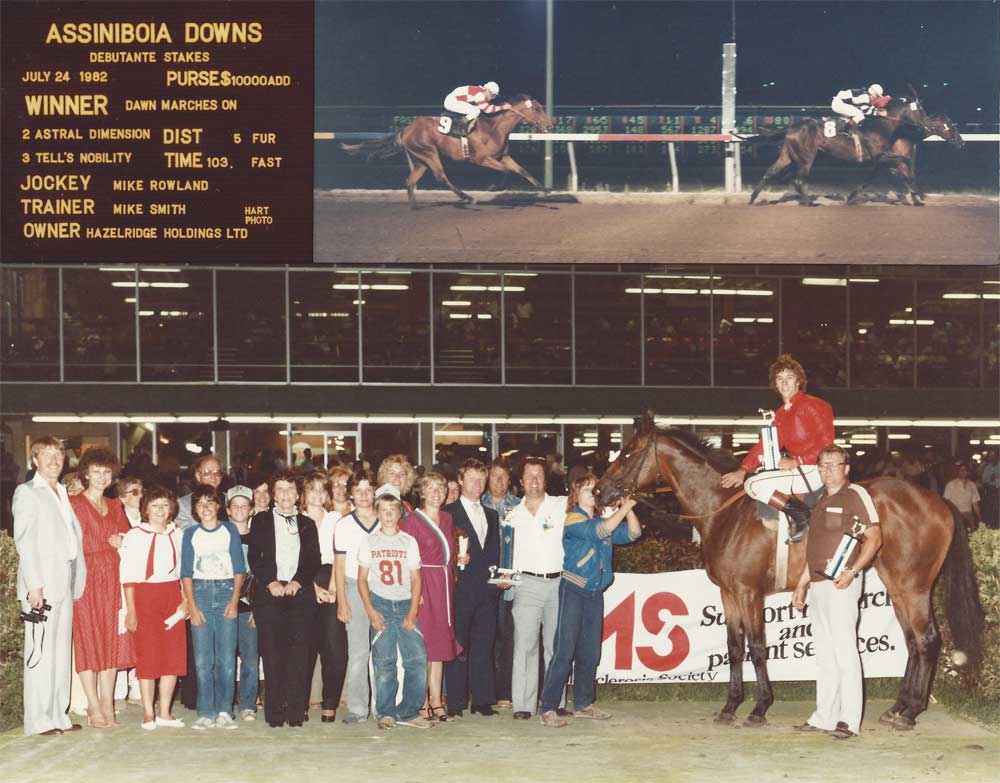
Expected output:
(847, 110)
(462, 107)
(760, 486)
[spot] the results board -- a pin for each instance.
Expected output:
(157, 131)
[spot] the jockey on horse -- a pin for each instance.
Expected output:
(856, 104)
(471, 101)
(804, 426)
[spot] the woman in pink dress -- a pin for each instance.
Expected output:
(101, 646)
(433, 530)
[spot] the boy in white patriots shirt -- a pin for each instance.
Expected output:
(389, 584)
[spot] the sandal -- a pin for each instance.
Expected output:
(439, 713)
(97, 721)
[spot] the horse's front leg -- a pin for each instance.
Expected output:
(736, 643)
(512, 165)
(753, 617)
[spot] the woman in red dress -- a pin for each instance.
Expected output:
(436, 619)
(101, 646)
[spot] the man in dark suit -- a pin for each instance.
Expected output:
(475, 599)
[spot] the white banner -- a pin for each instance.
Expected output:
(671, 628)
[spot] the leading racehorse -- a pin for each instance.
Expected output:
(888, 140)
(920, 533)
(424, 145)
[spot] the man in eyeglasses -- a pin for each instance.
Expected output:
(207, 470)
(845, 508)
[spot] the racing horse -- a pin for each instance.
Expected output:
(888, 139)
(424, 145)
(920, 533)
(903, 161)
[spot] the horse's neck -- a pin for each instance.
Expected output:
(697, 486)
(504, 124)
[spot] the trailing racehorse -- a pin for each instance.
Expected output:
(425, 145)
(888, 140)
(920, 533)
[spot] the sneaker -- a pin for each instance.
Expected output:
(170, 723)
(417, 723)
(202, 724)
(148, 725)
(225, 721)
(552, 720)
(593, 712)
(386, 722)
(248, 714)
(352, 718)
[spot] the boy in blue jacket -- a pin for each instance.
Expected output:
(588, 544)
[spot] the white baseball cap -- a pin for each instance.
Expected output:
(387, 491)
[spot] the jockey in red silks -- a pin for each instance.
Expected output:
(472, 100)
(805, 426)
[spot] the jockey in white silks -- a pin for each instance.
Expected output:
(805, 426)
(856, 104)
(473, 100)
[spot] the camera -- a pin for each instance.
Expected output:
(37, 615)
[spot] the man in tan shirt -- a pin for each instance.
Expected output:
(834, 604)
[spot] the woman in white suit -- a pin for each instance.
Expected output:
(51, 570)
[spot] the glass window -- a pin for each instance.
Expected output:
(324, 326)
(326, 446)
(536, 442)
(378, 441)
(538, 328)
(179, 444)
(814, 327)
(607, 330)
(883, 334)
(948, 322)
(251, 307)
(136, 448)
(175, 325)
(745, 313)
(588, 445)
(257, 449)
(461, 441)
(396, 327)
(29, 324)
(991, 334)
(677, 330)
(466, 327)
(99, 324)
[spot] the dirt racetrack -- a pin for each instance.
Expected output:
(666, 742)
(378, 227)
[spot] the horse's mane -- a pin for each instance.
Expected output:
(720, 459)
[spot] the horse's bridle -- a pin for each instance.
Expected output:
(528, 119)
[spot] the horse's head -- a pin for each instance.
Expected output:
(531, 111)
(942, 125)
(635, 468)
(910, 111)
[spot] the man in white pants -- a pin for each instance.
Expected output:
(856, 104)
(538, 522)
(51, 570)
(834, 604)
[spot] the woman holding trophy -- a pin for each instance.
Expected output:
(802, 425)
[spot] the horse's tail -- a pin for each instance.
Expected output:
(961, 592)
(376, 149)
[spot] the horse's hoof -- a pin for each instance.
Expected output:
(725, 717)
(888, 717)
(903, 723)
(755, 720)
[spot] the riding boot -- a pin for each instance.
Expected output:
(798, 514)
(469, 125)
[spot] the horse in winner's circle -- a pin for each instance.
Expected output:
(920, 533)
(886, 141)
(424, 145)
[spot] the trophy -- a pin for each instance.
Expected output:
(505, 571)
(836, 564)
(769, 439)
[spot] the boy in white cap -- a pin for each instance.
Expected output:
(389, 584)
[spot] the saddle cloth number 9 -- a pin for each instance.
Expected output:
(444, 124)
(830, 128)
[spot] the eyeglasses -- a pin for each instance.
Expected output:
(133, 491)
(830, 465)
(209, 472)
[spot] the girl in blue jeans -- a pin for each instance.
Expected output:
(588, 544)
(212, 569)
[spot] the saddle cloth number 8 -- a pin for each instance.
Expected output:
(830, 128)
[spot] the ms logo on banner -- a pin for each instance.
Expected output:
(620, 623)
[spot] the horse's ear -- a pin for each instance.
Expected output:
(646, 422)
